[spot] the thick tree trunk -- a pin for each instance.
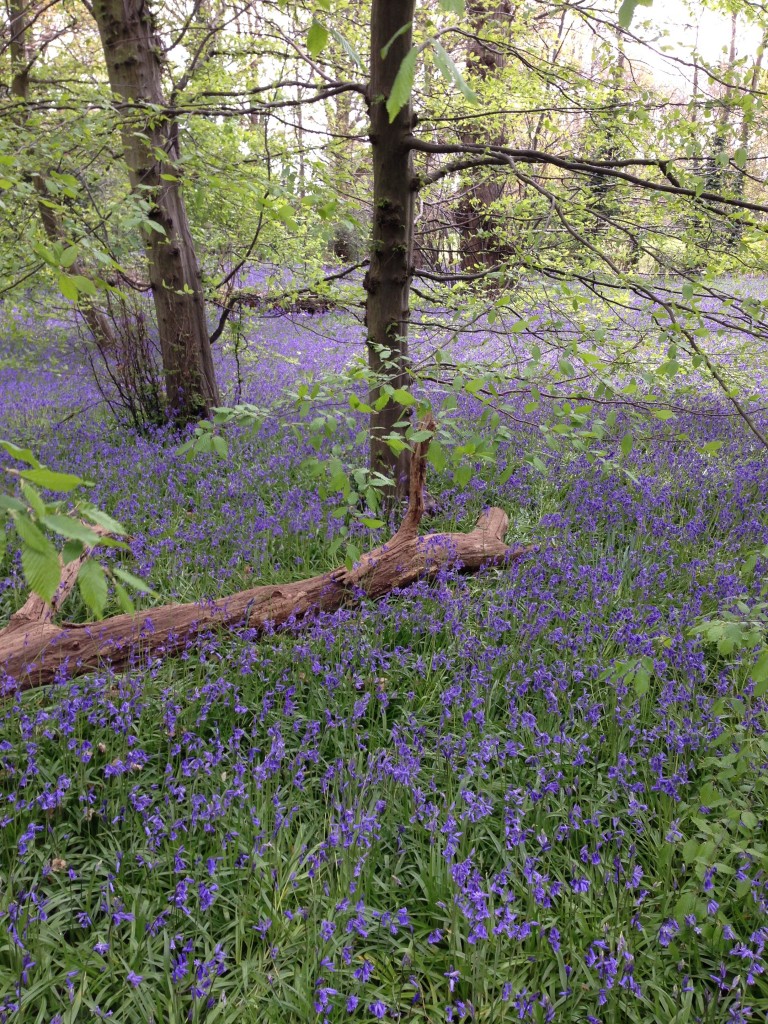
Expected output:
(150, 144)
(388, 280)
(19, 14)
(481, 229)
(33, 650)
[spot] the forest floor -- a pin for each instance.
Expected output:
(532, 794)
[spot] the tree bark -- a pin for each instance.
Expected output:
(19, 13)
(33, 649)
(481, 228)
(150, 146)
(387, 282)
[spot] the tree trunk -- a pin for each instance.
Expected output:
(387, 282)
(150, 145)
(736, 228)
(33, 649)
(481, 228)
(19, 14)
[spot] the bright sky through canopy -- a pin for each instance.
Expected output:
(692, 27)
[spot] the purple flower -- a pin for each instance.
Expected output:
(668, 931)
(580, 884)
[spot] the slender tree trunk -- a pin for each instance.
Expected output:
(736, 229)
(481, 229)
(150, 145)
(388, 280)
(19, 13)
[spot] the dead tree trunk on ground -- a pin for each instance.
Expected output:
(33, 649)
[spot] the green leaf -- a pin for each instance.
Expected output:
(10, 504)
(42, 570)
(72, 529)
(46, 255)
(84, 284)
(284, 213)
(352, 555)
(34, 500)
(436, 455)
(22, 454)
(402, 85)
(31, 536)
(92, 583)
(348, 48)
(626, 445)
(627, 11)
(749, 820)
(403, 396)
(420, 435)
(759, 674)
(711, 447)
(664, 414)
(134, 581)
(372, 524)
(690, 849)
(68, 257)
(68, 287)
(96, 515)
(450, 72)
(317, 38)
(452, 6)
(71, 550)
(386, 48)
(642, 682)
(52, 480)
(220, 446)
(126, 604)
(463, 475)
(740, 158)
(709, 795)
(396, 443)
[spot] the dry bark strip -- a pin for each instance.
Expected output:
(33, 648)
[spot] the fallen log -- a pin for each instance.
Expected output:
(34, 649)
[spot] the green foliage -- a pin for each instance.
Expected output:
(402, 86)
(34, 519)
(317, 38)
(451, 73)
(92, 583)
